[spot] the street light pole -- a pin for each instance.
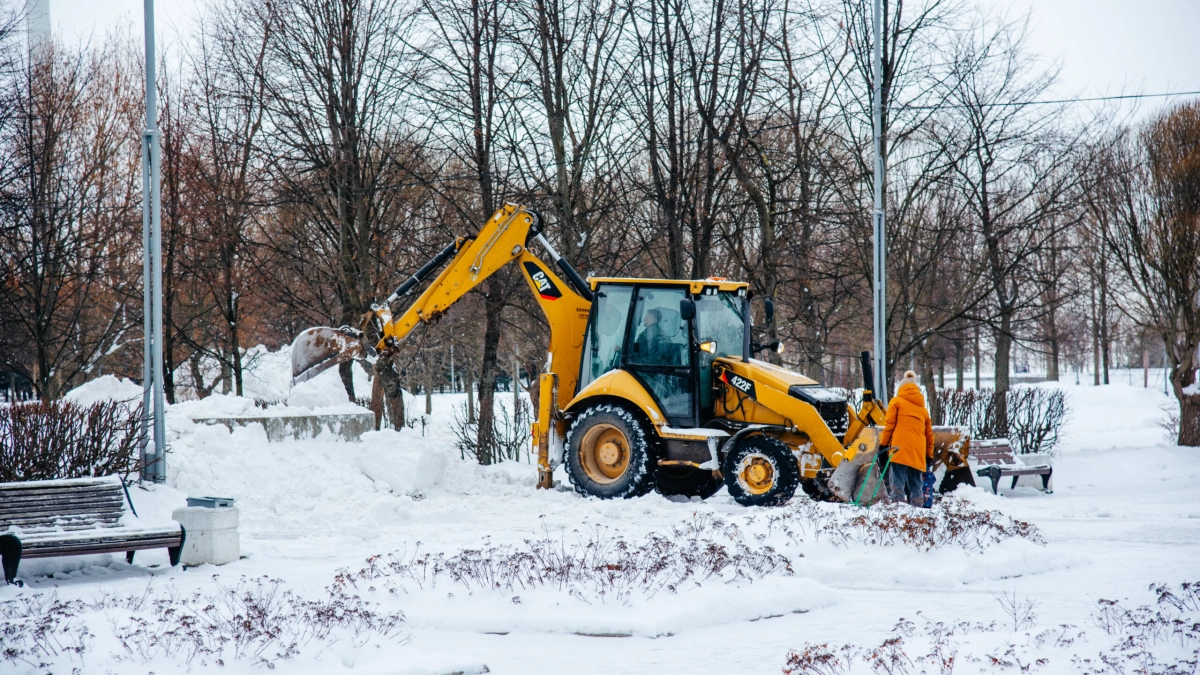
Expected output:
(153, 462)
(880, 286)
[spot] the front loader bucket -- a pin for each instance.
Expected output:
(859, 480)
(316, 350)
(847, 481)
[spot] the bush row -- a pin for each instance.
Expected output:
(1033, 418)
(45, 440)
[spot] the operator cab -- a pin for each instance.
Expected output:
(666, 334)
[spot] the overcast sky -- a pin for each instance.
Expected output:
(1104, 47)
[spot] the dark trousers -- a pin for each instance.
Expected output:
(906, 484)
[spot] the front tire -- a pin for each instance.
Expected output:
(609, 453)
(761, 471)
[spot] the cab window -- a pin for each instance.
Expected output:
(660, 336)
(606, 332)
(719, 319)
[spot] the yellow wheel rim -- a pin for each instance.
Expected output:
(756, 474)
(604, 453)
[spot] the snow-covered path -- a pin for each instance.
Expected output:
(1125, 513)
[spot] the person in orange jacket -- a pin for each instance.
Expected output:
(909, 432)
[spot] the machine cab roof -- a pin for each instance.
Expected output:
(695, 286)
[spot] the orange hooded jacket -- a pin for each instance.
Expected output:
(908, 428)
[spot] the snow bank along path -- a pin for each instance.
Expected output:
(1125, 513)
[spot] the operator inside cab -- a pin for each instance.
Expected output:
(650, 337)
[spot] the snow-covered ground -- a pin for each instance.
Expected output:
(1125, 514)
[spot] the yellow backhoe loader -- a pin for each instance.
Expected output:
(648, 384)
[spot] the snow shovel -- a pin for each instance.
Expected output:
(316, 350)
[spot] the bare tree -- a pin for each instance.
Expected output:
(466, 91)
(1012, 165)
(573, 52)
(67, 196)
(1147, 201)
(334, 81)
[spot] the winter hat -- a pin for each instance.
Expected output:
(909, 378)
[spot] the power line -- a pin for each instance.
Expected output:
(1089, 99)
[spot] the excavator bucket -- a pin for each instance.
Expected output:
(316, 350)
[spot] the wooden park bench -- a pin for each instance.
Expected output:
(996, 460)
(77, 516)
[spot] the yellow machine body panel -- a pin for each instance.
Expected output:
(567, 314)
(620, 384)
(757, 392)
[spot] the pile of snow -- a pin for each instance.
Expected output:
(106, 388)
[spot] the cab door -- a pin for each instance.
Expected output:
(658, 352)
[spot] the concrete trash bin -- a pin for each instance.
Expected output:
(212, 534)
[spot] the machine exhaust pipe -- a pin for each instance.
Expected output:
(868, 377)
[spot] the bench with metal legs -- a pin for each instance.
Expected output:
(78, 516)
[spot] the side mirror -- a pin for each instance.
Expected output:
(687, 309)
(769, 309)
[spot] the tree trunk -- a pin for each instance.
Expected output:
(977, 387)
(428, 388)
(469, 384)
(1189, 420)
(1003, 353)
(1052, 365)
(346, 371)
(485, 441)
(958, 365)
(1105, 338)
(391, 396)
(1095, 340)
(931, 398)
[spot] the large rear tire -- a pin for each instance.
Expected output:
(761, 471)
(609, 453)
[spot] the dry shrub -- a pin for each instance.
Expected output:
(1035, 415)
(1141, 635)
(45, 440)
(595, 565)
(1158, 639)
(38, 629)
(257, 620)
(510, 432)
(950, 522)
(934, 651)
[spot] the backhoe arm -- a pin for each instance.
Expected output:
(502, 240)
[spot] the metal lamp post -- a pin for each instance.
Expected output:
(152, 444)
(880, 281)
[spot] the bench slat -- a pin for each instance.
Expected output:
(93, 505)
(60, 495)
(52, 517)
(65, 523)
(106, 501)
(8, 491)
(104, 547)
(121, 533)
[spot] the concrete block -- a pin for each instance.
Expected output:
(212, 534)
(348, 426)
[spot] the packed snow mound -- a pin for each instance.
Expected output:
(326, 390)
(105, 388)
